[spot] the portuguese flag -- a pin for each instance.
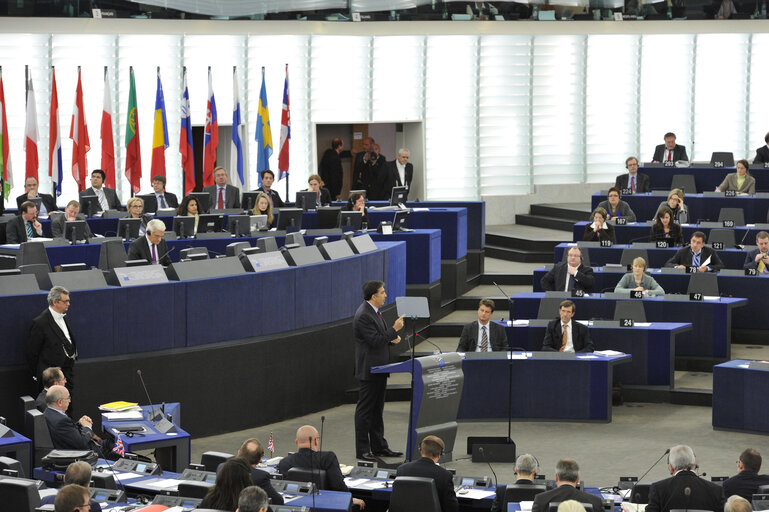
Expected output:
(133, 162)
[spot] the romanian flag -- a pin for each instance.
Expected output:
(263, 133)
(5, 161)
(159, 133)
(210, 136)
(133, 161)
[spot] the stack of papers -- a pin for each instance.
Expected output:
(132, 415)
(119, 406)
(609, 353)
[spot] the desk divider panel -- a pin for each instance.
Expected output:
(205, 269)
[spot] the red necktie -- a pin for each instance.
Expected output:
(670, 155)
(220, 204)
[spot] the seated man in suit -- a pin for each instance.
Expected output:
(746, 482)
(251, 451)
(762, 153)
(71, 212)
(164, 199)
(268, 178)
(24, 227)
(48, 202)
(737, 503)
(483, 335)
(638, 183)
(65, 433)
(52, 376)
(670, 494)
(758, 258)
(669, 151)
(566, 480)
(78, 473)
(569, 275)
(565, 335)
(107, 197)
(72, 498)
(697, 254)
(526, 467)
(431, 450)
(151, 246)
(222, 196)
(308, 456)
(253, 499)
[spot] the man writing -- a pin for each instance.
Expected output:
(569, 275)
(483, 335)
(698, 255)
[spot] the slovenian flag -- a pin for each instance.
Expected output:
(185, 140)
(210, 136)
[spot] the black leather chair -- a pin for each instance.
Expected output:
(705, 283)
(19, 495)
(640, 493)
(630, 309)
(316, 476)
(521, 492)
(735, 214)
(37, 429)
(414, 493)
(211, 460)
(194, 489)
(27, 403)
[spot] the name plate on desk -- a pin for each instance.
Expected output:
(636, 294)
(758, 365)
(134, 276)
(620, 221)
(730, 193)
(626, 191)
(626, 322)
(728, 223)
(204, 269)
(718, 245)
(695, 296)
(748, 272)
(668, 163)
(662, 244)
(606, 243)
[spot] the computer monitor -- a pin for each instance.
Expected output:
(259, 223)
(209, 223)
(128, 229)
(307, 200)
(361, 192)
(328, 217)
(202, 198)
(399, 221)
(290, 217)
(352, 219)
(74, 230)
(89, 205)
(150, 202)
(398, 196)
(37, 202)
(249, 200)
(184, 226)
(239, 225)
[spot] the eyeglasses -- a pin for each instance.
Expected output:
(67, 301)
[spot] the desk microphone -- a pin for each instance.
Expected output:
(483, 454)
(740, 245)
(169, 251)
(647, 238)
(632, 490)
(428, 341)
(320, 444)
(157, 416)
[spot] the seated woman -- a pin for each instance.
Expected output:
(189, 208)
(316, 185)
(134, 207)
(264, 207)
(676, 204)
(665, 228)
(599, 229)
(639, 280)
(71, 212)
(741, 181)
(233, 477)
(357, 203)
(616, 207)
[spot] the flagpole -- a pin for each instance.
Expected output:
(184, 171)
(53, 184)
(130, 72)
(287, 174)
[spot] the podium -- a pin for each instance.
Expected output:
(438, 383)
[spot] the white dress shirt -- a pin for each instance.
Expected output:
(59, 319)
(402, 173)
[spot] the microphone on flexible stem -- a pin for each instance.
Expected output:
(647, 238)
(428, 341)
(647, 472)
(322, 421)
(169, 251)
(740, 245)
(312, 472)
(483, 454)
(157, 416)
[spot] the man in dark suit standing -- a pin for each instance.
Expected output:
(372, 348)
(762, 153)
(164, 199)
(399, 173)
(221, 195)
(669, 151)
(746, 482)
(252, 451)
(634, 181)
(25, 226)
(569, 275)
(696, 255)
(361, 163)
(685, 489)
(483, 335)
(107, 197)
(51, 340)
(566, 479)
(330, 168)
(151, 246)
(431, 450)
(566, 335)
(48, 203)
(758, 258)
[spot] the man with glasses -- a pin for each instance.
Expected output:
(72, 498)
(634, 181)
(47, 201)
(78, 474)
(51, 340)
(65, 433)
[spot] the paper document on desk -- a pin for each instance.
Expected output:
(478, 494)
(162, 483)
(371, 484)
(587, 356)
(124, 416)
(526, 505)
(609, 353)
(521, 323)
(518, 355)
(124, 477)
(355, 482)
(711, 297)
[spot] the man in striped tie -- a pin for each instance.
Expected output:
(25, 226)
(483, 335)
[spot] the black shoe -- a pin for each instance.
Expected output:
(389, 453)
(367, 456)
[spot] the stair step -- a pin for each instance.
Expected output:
(542, 221)
(574, 212)
(502, 279)
(521, 243)
(446, 330)
(504, 253)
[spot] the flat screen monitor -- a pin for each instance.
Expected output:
(239, 225)
(150, 202)
(307, 200)
(89, 205)
(361, 192)
(399, 221)
(202, 198)
(249, 200)
(128, 229)
(37, 201)
(351, 219)
(209, 223)
(184, 226)
(74, 230)
(290, 217)
(259, 223)
(398, 196)
(328, 217)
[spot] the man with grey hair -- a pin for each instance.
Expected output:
(685, 489)
(78, 473)
(399, 173)
(566, 479)
(252, 499)
(737, 504)
(51, 340)
(151, 247)
(526, 467)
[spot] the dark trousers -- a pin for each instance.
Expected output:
(369, 425)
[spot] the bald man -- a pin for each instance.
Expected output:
(308, 457)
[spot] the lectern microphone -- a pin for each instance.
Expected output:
(157, 416)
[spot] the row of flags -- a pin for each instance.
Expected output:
(160, 140)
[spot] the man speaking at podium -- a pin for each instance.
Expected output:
(372, 348)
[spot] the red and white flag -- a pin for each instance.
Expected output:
(30, 133)
(107, 138)
(54, 138)
(78, 132)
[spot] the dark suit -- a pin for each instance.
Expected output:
(49, 500)
(674, 236)
(671, 494)
(58, 225)
(750, 260)
(372, 348)
(48, 201)
(642, 183)
(65, 433)
(109, 194)
(555, 279)
(325, 197)
(580, 337)
(679, 153)
(48, 346)
(606, 233)
(684, 257)
(330, 171)
(471, 337)
(762, 155)
(276, 200)
(40, 402)
(444, 482)
(393, 178)
(140, 250)
(16, 231)
(231, 197)
(262, 479)
(563, 493)
(171, 200)
(745, 484)
(309, 459)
